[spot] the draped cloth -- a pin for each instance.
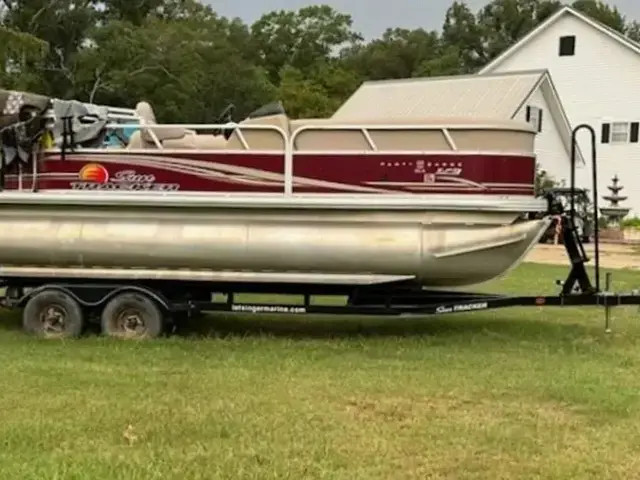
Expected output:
(23, 119)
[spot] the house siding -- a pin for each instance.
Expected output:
(596, 85)
(551, 154)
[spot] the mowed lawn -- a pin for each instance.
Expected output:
(516, 393)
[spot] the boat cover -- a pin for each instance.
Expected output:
(87, 121)
(12, 102)
(22, 122)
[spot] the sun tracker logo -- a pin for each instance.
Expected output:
(95, 173)
(94, 176)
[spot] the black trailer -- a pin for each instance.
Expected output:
(63, 307)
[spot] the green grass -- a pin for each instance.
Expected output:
(515, 393)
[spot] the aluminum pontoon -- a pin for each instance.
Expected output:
(443, 203)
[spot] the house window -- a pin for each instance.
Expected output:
(534, 117)
(567, 46)
(620, 132)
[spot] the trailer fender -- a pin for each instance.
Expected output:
(79, 294)
(21, 303)
(162, 301)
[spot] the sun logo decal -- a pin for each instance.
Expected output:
(94, 172)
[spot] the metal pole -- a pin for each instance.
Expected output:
(594, 179)
(607, 307)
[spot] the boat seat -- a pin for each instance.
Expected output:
(177, 138)
(136, 142)
(145, 112)
(261, 139)
(197, 142)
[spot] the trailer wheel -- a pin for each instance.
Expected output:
(53, 314)
(132, 315)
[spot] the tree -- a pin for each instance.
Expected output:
(632, 31)
(18, 50)
(189, 62)
(503, 22)
(400, 53)
(187, 68)
(462, 40)
(301, 39)
(63, 26)
(543, 181)
(603, 13)
(302, 97)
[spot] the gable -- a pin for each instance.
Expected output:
(546, 91)
(599, 80)
(570, 19)
(552, 142)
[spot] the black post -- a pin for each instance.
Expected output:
(594, 172)
(607, 306)
(2, 169)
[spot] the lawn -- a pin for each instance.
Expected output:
(515, 393)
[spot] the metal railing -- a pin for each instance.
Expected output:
(289, 139)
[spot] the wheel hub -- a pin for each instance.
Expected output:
(53, 319)
(131, 321)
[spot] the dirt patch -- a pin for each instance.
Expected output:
(611, 255)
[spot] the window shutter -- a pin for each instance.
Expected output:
(540, 120)
(528, 114)
(606, 133)
(633, 136)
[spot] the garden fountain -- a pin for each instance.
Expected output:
(614, 213)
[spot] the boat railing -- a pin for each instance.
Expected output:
(189, 128)
(366, 131)
(290, 138)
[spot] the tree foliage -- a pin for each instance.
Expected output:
(189, 62)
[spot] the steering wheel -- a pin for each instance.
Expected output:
(226, 116)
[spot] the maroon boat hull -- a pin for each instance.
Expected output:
(455, 173)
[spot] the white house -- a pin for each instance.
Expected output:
(526, 95)
(596, 71)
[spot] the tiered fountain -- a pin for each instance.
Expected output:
(614, 213)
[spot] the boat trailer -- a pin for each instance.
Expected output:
(62, 307)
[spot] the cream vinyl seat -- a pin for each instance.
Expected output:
(170, 138)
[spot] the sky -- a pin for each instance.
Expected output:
(372, 17)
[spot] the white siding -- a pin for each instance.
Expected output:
(598, 84)
(551, 154)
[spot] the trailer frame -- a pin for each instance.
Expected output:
(146, 308)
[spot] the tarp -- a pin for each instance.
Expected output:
(87, 121)
(22, 121)
(13, 102)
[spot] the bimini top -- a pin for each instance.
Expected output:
(16, 107)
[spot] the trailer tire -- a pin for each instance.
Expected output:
(132, 309)
(56, 306)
